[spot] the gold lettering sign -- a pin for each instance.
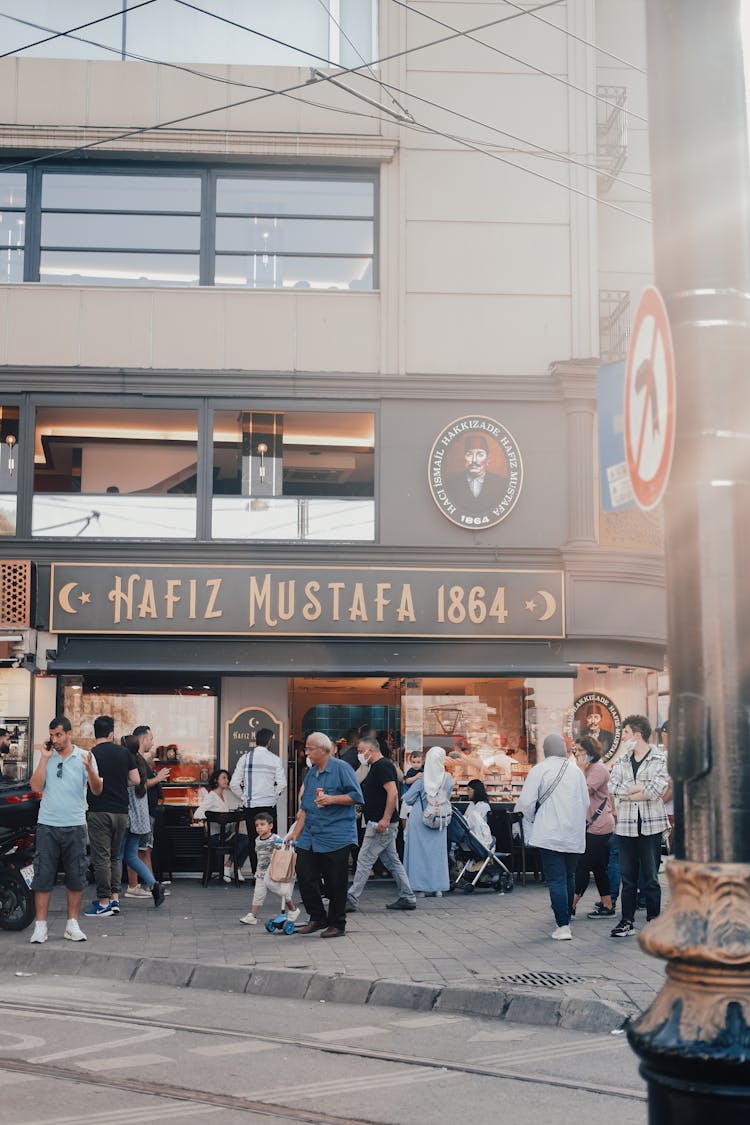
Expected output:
(315, 601)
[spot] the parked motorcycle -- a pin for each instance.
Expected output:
(18, 814)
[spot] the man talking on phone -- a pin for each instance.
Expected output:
(61, 776)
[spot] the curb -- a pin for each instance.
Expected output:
(571, 1010)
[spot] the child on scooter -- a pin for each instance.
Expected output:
(266, 842)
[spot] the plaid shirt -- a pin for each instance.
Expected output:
(653, 779)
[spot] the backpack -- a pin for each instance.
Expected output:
(436, 814)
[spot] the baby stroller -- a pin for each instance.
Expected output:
(471, 864)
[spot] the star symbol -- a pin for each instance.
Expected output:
(530, 605)
(84, 598)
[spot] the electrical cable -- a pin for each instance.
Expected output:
(324, 5)
(60, 34)
(522, 62)
(340, 72)
(578, 38)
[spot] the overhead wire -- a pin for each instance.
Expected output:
(578, 38)
(324, 5)
(476, 146)
(70, 31)
(522, 62)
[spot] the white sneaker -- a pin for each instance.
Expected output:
(562, 933)
(249, 920)
(40, 933)
(137, 892)
(73, 931)
(229, 876)
(292, 915)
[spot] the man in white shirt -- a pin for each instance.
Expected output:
(554, 802)
(258, 780)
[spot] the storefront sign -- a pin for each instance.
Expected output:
(475, 472)
(596, 714)
(241, 729)
(302, 601)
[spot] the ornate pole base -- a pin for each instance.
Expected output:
(694, 1040)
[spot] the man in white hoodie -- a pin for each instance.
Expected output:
(554, 802)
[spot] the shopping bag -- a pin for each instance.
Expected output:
(283, 865)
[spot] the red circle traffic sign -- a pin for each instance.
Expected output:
(650, 391)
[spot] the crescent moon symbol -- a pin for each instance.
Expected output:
(64, 597)
(550, 605)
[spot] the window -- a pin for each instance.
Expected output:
(12, 225)
(299, 475)
(256, 229)
(9, 417)
(120, 229)
(342, 31)
(111, 473)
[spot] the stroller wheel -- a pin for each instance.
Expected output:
(468, 889)
(505, 884)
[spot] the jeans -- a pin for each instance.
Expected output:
(640, 856)
(380, 845)
(560, 872)
(333, 869)
(129, 853)
(613, 868)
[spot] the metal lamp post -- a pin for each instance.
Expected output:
(694, 1041)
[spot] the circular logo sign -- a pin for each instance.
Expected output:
(596, 715)
(475, 472)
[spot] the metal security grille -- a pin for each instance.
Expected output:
(546, 980)
(15, 594)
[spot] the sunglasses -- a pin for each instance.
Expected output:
(60, 768)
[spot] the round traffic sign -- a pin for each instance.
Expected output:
(650, 401)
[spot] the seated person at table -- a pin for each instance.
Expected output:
(221, 799)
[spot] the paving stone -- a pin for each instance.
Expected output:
(404, 994)
(476, 1001)
(220, 978)
(339, 988)
(288, 983)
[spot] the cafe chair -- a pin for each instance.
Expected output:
(219, 842)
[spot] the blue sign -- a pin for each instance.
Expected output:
(616, 492)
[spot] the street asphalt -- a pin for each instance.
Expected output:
(480, 954)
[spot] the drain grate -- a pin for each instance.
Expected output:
(546, 980)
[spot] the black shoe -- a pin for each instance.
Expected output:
(310, 927)
(401, 904)
(333, 931)
(623, 929)
(601, 911)
(158, 892)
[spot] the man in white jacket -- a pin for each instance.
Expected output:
(258, 780)
(554, 802)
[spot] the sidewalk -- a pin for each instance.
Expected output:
(485, 954)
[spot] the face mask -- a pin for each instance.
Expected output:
(362, 759)
(308, 763)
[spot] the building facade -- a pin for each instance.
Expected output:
(301, 320)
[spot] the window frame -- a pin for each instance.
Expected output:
(209, 176)
(205, 407)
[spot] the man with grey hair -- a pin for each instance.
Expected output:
(554, 802)
(323, 832)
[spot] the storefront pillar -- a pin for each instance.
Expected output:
(578, 383)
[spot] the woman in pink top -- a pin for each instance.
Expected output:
(600, 824)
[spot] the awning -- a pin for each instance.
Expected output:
(243, 656)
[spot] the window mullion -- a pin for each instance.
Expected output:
(208, 230)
